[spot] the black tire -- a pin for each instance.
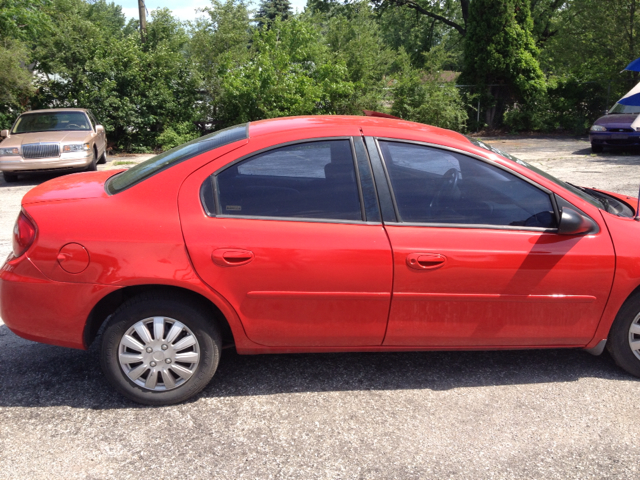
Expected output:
(93, 166)
(620, 336)
(10, 177)
(103, 158)
(195, 317)
(597, 148)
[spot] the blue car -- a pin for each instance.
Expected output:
(614, 129)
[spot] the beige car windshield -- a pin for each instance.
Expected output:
(49, 122)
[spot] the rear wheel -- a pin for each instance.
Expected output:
(160, 350)
(595, 148)
(624, 338)
(10, 177)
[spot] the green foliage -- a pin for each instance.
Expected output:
(219, 43)
(175, 135)
(416, 34)
(569, 106)
(423, 96)
(135, 89)
(354, 36)
(269, 10)
(23, 19)
(337, 57)
(290, 72)
(501, 55)
(595, 41)
(15, 79)
(21, 23)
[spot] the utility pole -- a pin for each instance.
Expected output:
(142, 10)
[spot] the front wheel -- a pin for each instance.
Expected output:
(595, 148)
(93, 166)
(624, 338)
(159, 350)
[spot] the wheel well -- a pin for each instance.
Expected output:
(634, 293)
(110, 303)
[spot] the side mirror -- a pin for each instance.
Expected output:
(99, 129)
(574, 223)
(4, 133)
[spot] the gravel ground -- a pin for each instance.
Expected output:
(468, 415)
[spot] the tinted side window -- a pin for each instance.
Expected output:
(307, 180)
(437, 186)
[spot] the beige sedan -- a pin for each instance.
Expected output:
(54, 140)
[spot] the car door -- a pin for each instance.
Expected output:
(477, 257)
(291, 236)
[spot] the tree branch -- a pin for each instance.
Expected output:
(414, 5)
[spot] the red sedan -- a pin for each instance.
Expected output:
(319, 234)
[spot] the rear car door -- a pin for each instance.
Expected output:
(477, 257)
(291, 236)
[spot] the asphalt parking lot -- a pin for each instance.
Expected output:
(469, 415)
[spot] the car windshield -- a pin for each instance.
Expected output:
(585, 195)
(620, 108)
(172, 157)
(51, 122)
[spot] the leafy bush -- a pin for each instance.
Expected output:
(423, 96)
(178, 134)
(569, 106)
(290, 72)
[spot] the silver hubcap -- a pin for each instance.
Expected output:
(159, 353)
(634, 336)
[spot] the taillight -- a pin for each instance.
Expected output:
(24, 233)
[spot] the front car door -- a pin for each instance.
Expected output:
(101, 140)
(292, 237)
(477, 257)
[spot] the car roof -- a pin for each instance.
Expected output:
(379, 124)
(54, 110)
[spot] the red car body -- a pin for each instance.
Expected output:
(284, 285)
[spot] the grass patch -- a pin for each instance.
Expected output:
(125, 162)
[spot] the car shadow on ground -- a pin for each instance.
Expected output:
(627, 156)
(605, 160)
(32, 179)
(33, 374)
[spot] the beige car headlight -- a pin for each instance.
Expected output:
(9, 151)
(76, 147)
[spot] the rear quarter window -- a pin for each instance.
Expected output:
(176, 155)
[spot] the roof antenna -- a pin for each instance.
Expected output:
(637, 217)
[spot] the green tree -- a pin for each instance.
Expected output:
(595, 41)
(15, 77)
(21, 22)
(270, 9)
(291, 72)
(457, 14)
(353, 34)
(416, 34)
(425, 96)
(137, 90)
(501, 56)
(23, 19)
(220, 42)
